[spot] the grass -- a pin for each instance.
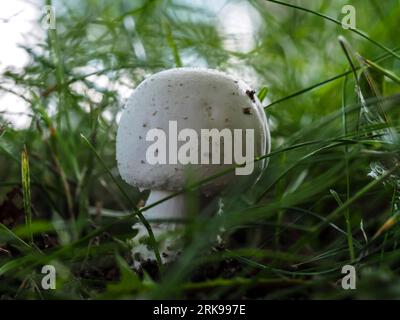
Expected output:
(26, 191)
(329, 196)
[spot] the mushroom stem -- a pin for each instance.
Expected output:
(174, 208)
(169, 246)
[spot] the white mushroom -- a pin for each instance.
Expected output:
(173, 100)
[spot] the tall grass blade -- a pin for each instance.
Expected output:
(26, 191)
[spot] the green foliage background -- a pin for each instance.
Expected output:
(315, 208)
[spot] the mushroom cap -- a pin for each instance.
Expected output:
(195, 98)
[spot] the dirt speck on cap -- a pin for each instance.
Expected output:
(251, 94)
(247, 110)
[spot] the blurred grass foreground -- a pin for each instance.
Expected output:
(329, 197)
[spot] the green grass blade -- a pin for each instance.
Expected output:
(171, 43)
(358, 195)
(377, 67)
(348, 225)
(26, 191)
(262, 94)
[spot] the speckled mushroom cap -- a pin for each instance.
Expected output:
(196, 99)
